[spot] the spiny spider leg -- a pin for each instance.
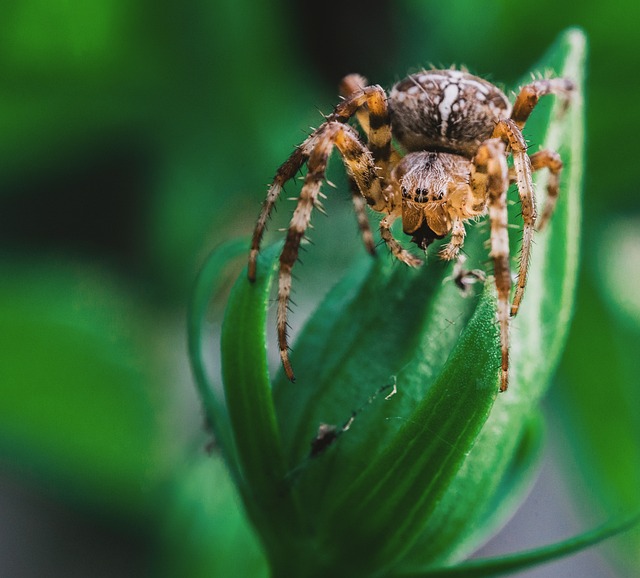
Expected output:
(349, 86)
(378, 120)
(530, 94)
(286, 172)
(456, 131)
(508, 131)
(550, 160)
(452, 249)
(361, 170)
(490, 163)
(374, 120)
(525, 102)
(360, 207)
(396, 249)
(379, 144)
(373, 116)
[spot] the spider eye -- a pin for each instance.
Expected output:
(404, 191)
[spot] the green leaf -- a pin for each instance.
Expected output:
(515, 484)
(249, 399)
(250, 406)
(243, 421)
(206, 532)
(380, 325)
(510, 563)
(410, 473)
(248, 396)
(208, 284)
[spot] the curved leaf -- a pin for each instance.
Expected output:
(249, 402)
(410, 473)
(538, 333)
(208, 283)
(521, 561)
(514, 486)
(206, 533)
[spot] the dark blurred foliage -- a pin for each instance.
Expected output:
(338, 38)
(137, 135)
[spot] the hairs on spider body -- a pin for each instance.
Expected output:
(456, 131)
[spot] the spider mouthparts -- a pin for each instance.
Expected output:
(422, 242)
(424, 236)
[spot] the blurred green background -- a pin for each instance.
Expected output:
(135, 136)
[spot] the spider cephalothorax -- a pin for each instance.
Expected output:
(455, 131)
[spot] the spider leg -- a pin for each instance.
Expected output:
(396, 248)
(379, 135)
(351, 85)
(369, 104)
(508, 132)
(360, 207)
(550, 160)
(285, 172)
(375, 121)
(462, 277)
(530, 94)
(490, 174)
(361, 171)
(452, 249)
(297, 227)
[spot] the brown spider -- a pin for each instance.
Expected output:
(457, 131)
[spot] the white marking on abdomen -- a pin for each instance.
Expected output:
(450, 96)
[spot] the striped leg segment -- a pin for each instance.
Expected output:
(299, 223)
(286, 172)
(509, 133)
(545, 159)
(360, 207)
(363, 174)
(359, 164)
(491, 161)
(370, 104)
(452, 249)
(396, 248)
(350, 85)
(530, 94)
(376, 122)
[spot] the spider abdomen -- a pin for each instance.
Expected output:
(445, 110)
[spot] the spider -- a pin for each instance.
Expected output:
(455, 132)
